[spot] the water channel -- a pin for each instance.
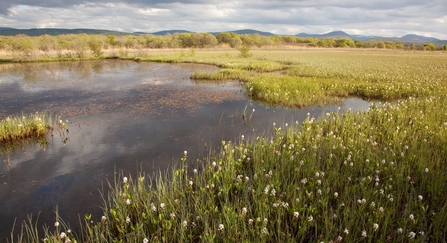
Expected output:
(122, 116)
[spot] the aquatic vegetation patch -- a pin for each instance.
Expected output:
(16, 128)
(225, 74)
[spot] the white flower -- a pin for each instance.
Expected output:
(400, 230)
(125, 180)
(376, 227)
(339, 238)
(411, 235)
(426, 170)
(172, 215)
(103, 218)
(214, 164)
(185, 153)
(62, 235)
(162, 206)
(250, 221)
(361, 201)
(346, 231)
(242, 137)
(411, 216)
(336, 194)
(128, 201)
(364, 233)
(244, 210)
(310, 218)
(190, 183)
(127, 220)
(420, 197)
(153, 208)
(145, 240)
(195, 171)
(265, 231)
(221, 227)
(185, 223)
(56, 224)
(296, 215)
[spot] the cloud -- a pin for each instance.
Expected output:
(391, 18)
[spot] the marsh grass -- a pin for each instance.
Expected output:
(225, 74)
(17, 132)
(17, 128)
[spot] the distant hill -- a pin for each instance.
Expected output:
(333, 34)
(54, 31)
(336, 34)
(239, 32)
(247, 31)
(418, 37)
(164, 32)
(406, 39)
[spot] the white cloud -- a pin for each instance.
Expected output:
(378, 17)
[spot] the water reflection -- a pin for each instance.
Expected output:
(122, 116)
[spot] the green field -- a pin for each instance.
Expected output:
(374, 176)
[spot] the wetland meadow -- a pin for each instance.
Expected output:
(202, 145)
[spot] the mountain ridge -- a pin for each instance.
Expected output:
(406, 39)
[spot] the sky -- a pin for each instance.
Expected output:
(390, 18)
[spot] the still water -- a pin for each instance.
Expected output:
(122, 116)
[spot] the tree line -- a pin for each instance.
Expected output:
(78, 45)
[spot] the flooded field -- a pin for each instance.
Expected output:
(122, 115)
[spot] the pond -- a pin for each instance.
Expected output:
(122, 116)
